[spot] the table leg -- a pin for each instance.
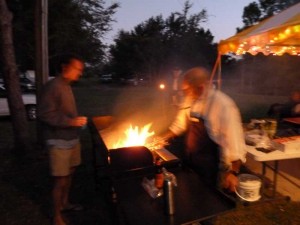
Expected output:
(275, 178)
(274, 181)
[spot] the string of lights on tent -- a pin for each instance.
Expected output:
(276, 35)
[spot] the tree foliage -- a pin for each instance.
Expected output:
(156, 45)
(251, 14)
(73, 25)
(256, 12)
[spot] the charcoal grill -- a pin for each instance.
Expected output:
(119, 161)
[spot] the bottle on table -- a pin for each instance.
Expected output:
(169, 197)
(159, 176)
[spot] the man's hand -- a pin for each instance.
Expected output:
(78, 121)
(230, 181)
(156, 142)
(229, 178)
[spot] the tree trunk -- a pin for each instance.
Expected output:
(12, 83)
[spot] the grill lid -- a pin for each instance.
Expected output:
(130, 158)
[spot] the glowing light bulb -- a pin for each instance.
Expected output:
(162, 86)
(287, 31)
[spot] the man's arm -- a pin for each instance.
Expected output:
(229, 177)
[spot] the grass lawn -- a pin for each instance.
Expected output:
(25, 185)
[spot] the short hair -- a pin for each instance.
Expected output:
(65, 59)
(196, 76)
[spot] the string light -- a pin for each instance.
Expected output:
(256, 44)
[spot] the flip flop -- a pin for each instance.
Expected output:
(72, 207)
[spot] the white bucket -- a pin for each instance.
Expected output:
(249, 187)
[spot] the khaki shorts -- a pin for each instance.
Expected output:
(62, 161)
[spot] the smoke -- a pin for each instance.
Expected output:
(262, 75)
(257, 82)
(138, 106)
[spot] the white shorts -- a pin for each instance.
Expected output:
(62, 161)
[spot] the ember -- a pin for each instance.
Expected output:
(135, 136)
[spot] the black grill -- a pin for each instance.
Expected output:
(108, 162)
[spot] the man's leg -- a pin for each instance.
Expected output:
(60, 161)
(58, 192)
(66, 190)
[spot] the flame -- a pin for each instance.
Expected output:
(135, 136)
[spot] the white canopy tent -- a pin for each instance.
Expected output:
(276, 35)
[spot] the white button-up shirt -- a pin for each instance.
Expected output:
(222, 121)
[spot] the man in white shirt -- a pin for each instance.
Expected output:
(214, 142)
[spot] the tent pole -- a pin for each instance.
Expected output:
(219, 74)
(217, 63)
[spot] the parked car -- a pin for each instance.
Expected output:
(130, 81)
(29, 100)
(27, 84)
(2, 88)
(106, 78)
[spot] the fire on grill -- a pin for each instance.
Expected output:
(123, 149)
(134, 136)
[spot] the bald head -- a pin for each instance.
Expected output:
(195, 81)
(196, 77)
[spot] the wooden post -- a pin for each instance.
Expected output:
(42, 65)
(41, 59)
